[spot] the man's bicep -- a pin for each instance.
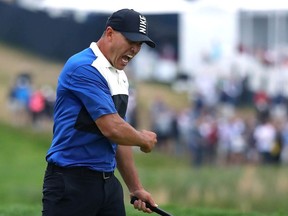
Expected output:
(108, 122)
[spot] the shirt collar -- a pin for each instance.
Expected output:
(101, 57)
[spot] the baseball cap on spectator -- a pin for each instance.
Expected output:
(131, 24)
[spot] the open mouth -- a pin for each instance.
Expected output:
(127, 58)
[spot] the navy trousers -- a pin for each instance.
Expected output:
(81, 192)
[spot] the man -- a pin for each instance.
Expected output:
(90, 135)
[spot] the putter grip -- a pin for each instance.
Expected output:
(153, 208)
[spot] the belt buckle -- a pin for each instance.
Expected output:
(105, 177)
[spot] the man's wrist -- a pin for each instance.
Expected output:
(136, 189)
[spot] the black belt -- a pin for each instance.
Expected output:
(79, 171)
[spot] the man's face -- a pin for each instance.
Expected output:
(122, 50)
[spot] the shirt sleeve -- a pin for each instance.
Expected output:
(93, 91)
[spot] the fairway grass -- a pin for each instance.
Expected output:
(35, 210)
(175, 185)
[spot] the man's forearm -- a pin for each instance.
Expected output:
(119, 131)
(116, 129)
(127, 169)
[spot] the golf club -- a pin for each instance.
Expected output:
(153, 208)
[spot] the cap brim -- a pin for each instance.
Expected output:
(138, 37)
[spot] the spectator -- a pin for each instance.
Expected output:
(265, 137)
(18, 97)
(161, 120)
(36, 107)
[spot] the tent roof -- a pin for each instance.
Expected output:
(109, 6)
(246, 5)
(160, 6)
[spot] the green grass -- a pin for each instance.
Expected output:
(22, 164)
(175, 185)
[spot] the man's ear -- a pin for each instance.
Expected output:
(109, 32)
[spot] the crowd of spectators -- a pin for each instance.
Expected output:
(30, 105)
(217, 137)
(238, 112)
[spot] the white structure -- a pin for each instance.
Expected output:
(206, 26)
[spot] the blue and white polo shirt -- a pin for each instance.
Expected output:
(88, 87)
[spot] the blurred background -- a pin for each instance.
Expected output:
(215, 88)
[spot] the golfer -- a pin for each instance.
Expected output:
(90, 135)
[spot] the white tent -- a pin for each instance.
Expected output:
(247, 5)
(205, 25)
(212, 26)
(108, 6)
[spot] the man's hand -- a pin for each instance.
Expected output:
(143, 196)
(150, 141)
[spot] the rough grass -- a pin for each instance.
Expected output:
(179, 188)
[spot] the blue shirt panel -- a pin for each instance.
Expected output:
(81, 87)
